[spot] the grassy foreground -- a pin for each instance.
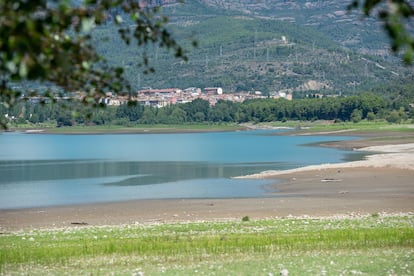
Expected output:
(375, 245)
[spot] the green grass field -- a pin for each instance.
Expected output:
(375, 245)
(114, 129)
(321, 126)
(300, 126)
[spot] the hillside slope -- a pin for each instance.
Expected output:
(292, 46)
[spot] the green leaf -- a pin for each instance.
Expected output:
(88, 24)
(118, 19)
(23, 70)
(408, 56)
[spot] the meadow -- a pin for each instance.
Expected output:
(378, 126)
(137, 129)
(372, 245)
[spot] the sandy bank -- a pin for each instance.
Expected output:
(399, 156)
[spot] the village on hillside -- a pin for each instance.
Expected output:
(170, 96)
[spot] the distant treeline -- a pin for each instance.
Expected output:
(353, 108)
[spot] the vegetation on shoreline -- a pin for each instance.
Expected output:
(365, 107)
(138, 129)
(308, 127)
(351, 127)
(375, 245)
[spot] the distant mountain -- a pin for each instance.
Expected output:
(328, 16)
(249, 45)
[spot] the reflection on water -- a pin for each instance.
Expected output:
(41, 170)
(125, 173)
(57, 182)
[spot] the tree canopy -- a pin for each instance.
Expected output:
(365, 106)
(50, 41)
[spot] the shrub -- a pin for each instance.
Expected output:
(246, 218)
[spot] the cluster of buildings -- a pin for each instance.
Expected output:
(169, 96)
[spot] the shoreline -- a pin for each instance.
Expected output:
(383, 183)
(167, 129)
(397, 156)
(297, 129)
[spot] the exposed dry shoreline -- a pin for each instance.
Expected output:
(382, 183)
(400, 156)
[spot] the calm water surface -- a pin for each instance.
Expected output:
(45, 170)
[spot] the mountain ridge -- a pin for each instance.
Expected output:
(295, 46)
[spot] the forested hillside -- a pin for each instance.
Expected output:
(366, 106)
(269, 46)
(298, 47)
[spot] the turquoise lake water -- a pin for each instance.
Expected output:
(45, 170)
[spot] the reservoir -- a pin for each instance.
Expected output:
(47, 170)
